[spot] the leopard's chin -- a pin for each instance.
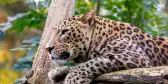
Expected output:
(59, 61)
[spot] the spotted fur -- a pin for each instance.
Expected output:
(98, 45)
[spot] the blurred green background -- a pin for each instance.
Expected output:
(22, 23)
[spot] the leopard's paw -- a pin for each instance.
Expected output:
(58, 74)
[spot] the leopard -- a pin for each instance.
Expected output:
(98, 45)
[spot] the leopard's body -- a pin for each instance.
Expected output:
(100, 45)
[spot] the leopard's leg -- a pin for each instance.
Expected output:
(85, 72)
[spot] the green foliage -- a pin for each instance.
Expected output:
(139, 12)
(18, 81)
(25, 63)
(69, 64)
(142, 13)
(33, 19)
(3, 2)
(2, 35)
(82, 6)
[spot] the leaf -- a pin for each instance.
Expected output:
(32, 19)
(32, 40)
(18, 81)
(29, 56)
(2, 35)
(25, 62)
(69, 64)
(22, 66)
(21, 48)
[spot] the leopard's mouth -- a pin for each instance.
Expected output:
(59, 60)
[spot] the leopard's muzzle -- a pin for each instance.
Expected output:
(59, 55)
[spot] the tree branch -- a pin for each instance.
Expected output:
(98, 7)
(155, 75)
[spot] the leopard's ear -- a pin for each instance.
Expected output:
(88, 18)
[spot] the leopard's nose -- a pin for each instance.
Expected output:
(49, 49)
(65, 55)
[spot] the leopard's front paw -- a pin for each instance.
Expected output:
(59, 73)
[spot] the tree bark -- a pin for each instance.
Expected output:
(166, 6)
(59, 10)
(154, 75)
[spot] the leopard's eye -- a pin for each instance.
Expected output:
(64, 31)
(64, 34)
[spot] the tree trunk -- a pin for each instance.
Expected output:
(59, 10)
(166, 6)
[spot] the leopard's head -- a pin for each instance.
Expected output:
(70, 38)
